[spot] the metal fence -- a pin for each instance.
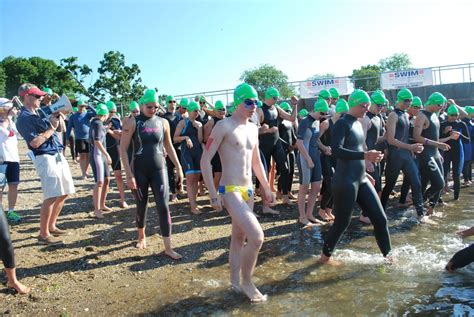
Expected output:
(448, 74)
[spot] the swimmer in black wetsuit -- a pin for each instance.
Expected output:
(173, 119)
(286, 130)
(189, 134)
(219, 109)
(269, 139)
(99, 160)
(455, 155)
(151, 136)
(309, 162)
(350, 183)
(426, 132)
(400, 157)
(468, 146)
(465, 256)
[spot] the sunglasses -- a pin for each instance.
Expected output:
(407, 100)
(380, 106)
(151, 107)
(222, 109)
(249, 103)
(172, 101)
(275, 98)
(36, 96)
(364, 105)
(136, 111)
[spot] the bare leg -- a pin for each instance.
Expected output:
(217, 178)
(57, 207)
(312, 197)
(103, 195)
(45, 215)
(237, 242)
(121, 188)
(12, 282)
(12, 195)
(303, 190)
(271, 176)
(97, 197)
(84, 163)
(169, 250)
(245, 219)
(141, 243)
(192, 189)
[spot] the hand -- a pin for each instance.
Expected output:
(268, 196)
(131, 182)
(196, 124)
(369, 166)
(264, 128)
(373, 156)
(417, 148)
(273, 130)
(216, 203)
(454, 135)
(448, 129)
(180, 176)
(109, 159)
(327, 151)
(310, 163)
(444, 147)
(189, 143)
(371, 179)
(54, 121)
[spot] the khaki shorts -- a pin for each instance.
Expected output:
(55, 176)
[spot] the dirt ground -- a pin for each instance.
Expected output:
(98, 271)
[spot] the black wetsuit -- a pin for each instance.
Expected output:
(97, 160)
(271, 146)
(431, 165)
(173, 119)
(371, 141)
(463, 257)
(149, 169)
(6, 246)
(402, 160)
(112, 143)
(288, 140)
(216, 160)
(468, 150)
(406, 184)
(350, 185)
(328, 164)
(455, 155)
(190, 157)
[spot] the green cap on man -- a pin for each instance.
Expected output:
(242, 92)
(111, 106)
(219, 105)
(416, 103)
(404, 94)
(193, 106)
(102, 110)
(286, 106)
(342, 106)
(358, 97)
(378, 98)
(453, 110)
(321, 106)
(324, 94)
(303, 113)
(436, 98)
(334, 93)
(272, 92)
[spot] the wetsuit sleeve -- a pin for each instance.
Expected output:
(97, 132)
(293, 136)
(302, 129)
(442, 126)
(337, 143)
(463, 257)
(465, 133)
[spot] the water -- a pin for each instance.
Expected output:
(365, 284)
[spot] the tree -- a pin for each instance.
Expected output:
(3, 79)
(117, 81)
(318, 76)
(398, 61)
(366, 78)
(266, 76)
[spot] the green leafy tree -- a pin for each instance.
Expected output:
(265, 76)
(367, 77)
(319, 76)
(3, 79)
(398, 61)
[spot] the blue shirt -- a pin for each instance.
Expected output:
(30, 125)
(81, 123)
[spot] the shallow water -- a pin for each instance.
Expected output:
(415, 284)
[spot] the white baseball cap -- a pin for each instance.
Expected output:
(4, 102)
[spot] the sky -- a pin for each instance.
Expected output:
(185, 46)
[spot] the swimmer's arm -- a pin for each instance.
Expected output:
(302, 149)
(125, 139)
(207, 129)
(337, 144)
(178, 138)
(170, 149)
(391, 126)
(212, 145)
(465, 132)
(285, 115)
(199, 130)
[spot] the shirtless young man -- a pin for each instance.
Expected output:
(236, 140)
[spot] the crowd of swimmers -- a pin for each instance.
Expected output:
(339, 149)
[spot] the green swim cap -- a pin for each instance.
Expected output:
(231, 110)
(242, 92)
(259, 104)
(404, 94)
(378, 98)
(81, 102)
(219, 105)
(358, 97)
(324, 94)
(416, 103)
(303, 113)
(469, 109)
(334, 93)
(48, 91)
(111, 106)
(389, 108)
(453, 111)
(169, 98)
(272, 92)
(342, 106)
(436, 98)
(102, 110)
(150, 95)
(133, 106)
(184, 102)
(193, 106)
(286, 106)
(321, 106)
(74, 109)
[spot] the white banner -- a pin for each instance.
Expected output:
(311, 88)
(407, 78)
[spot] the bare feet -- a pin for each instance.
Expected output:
(429, 210)
(253, 293)
(124, 205)
(287, 201)
(97, 214)
(314, 220)
(105, 208)
(20, 288)
(279, 195)
(141, 244)
(173, 255)
(268, 210)
(291, 196)
(195, 210)
(365, 220)
(235, 287)
(327, 260)
(323, 215)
